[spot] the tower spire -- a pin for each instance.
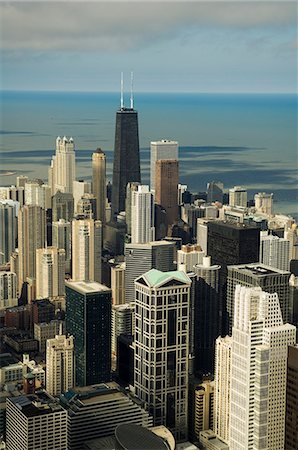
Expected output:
(131, 90)
(121, 92)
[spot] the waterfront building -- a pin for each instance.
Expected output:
(238, 196)
(264, 203)
(63, 171)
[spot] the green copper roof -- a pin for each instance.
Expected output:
(155, 277)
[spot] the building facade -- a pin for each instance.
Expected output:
(50, 272)
(164, 149)
(63, 171)
(99, 188)
(142, 216)
(60, 366)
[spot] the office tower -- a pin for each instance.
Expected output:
(258, 371)
(121, 323)
(126, 167)
(62, 206)
(50, 272)
(8, 290)
(42, 311)
(222, 378)
(36, 422)
(59, 364)
(207, 315)
(8, 230)
(130, 188)
(86, 206)
(88, 319)
(37, 194)
(99, 183)
(291, 433)
(215, 192)
(63, 171)
(269, 279)
(118, 284)
(238, 196)
(44, 331)
(161, 348)
(163, 149)
(231, 243)
(166, 192)
(140, 258)
(31, 236)
(61, 238)
(203, 413)
(21, 181)
(182, 189)
(274, 251)
(95, 411)
(86, 250)
(80, 188)
(142, 216)
(191, 214)
(189, 256)
(264, 203)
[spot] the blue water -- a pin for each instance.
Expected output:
(238, 139)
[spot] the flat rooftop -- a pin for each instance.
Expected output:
(233, 225)
(6, 359)
(258, 269)
(87, 287)
(38, 404)
(150, 244)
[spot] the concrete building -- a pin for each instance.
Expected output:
(63, 171)
(130, 188)
(80, 187)
(274, 251)
(31, 236)
(37, 194)
(41, 423)
(238, 196)
(88, 319)
(60, 364)
(163, 149)
(61, 238)
(161, 347)
(46, 330)
(142, 216)
(62, 206)
(86, 250)
(95, 411)
(122, 316)
(8, 290)
(204, 403)
(118, 283)
(258, 367)
(99, 188)
(264, 203)
(222, 387)
(8, 228)
(291, 439)
(189, 256)
(50, 272)
(139, 258)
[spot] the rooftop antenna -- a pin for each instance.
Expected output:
(121, 92)
(131, 90)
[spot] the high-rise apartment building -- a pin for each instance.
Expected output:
(130, 188)
(35, 421)
(60, 365)
(258, 371)
(142, 216)
(238, 196)
(99, 188)
(80, 187)
(62, 206)
(264, 203)
(126, 166)
(50, 272)
(8, 223)
(161, 347)
(203, 407)
(86, 250)
(31, 236)
(63, 171)
(140, 258)
(222, 379)
(166, 192)
(8, 290)
(164, 149)
(189, 256)
(274, 251)
(37, 194)
(291, 440)
(88, 319)
(269, 279)
(47, 330)
(61, 238)
(118, 283)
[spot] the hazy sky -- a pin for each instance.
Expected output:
(202, 46)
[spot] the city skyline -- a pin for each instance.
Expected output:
(177, 46)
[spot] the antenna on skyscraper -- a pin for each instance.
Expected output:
(131, 90)
(121, 92)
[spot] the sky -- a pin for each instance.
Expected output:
(171, 46)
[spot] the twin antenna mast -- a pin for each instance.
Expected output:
(131, 91)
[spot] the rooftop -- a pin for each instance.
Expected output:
(155, 277)
(150, 244)
(6, 359)
(37, 404)
(87, 287)
(258, 269)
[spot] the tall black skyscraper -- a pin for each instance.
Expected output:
(126, 154)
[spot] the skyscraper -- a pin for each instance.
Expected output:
(291, 399)
(164, 149)
(63, 171)
(275, 251)
(215, 191)
(238, 196)
(264, 203)
(8, 290)
(80, 187)
(258, 371)
(59, 365)
(161, 347)
(50, 272)
(8, 230)
(99, 188)
(86, 250)
(61, 238)
(88, 320)
(62, 206)
(31, 236)
(142, 216)
(126, 166)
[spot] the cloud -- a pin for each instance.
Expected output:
(117, 26)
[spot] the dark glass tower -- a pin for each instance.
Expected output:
(88, 319)
(126, 156)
